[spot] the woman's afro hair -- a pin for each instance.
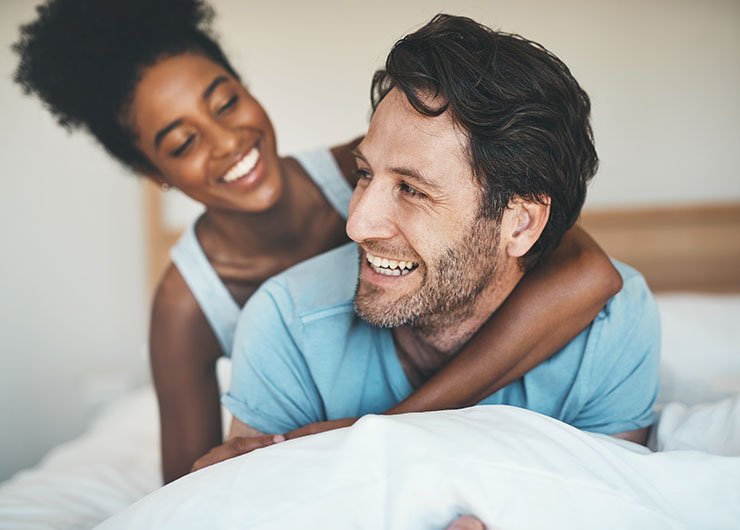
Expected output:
(83, 59)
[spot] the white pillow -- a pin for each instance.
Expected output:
(511, 467)
(700, 353)
(711, 427)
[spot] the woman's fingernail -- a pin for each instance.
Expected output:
(278, 438)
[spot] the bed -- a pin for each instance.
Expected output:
(512, 468)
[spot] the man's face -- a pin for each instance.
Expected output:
(425, 253)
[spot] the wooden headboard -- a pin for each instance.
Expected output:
(677, 248)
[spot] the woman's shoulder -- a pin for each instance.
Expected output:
(177, 320)
(344, 156)
(173, 294)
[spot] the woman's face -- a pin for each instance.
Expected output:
(206, 135)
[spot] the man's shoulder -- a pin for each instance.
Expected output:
(634, 301)
(627, 330)
(618, 375)
(323, 283)
(631, 277)
(312, 299)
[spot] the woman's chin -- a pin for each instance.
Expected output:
(264, 198)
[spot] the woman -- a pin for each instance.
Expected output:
(146, 78)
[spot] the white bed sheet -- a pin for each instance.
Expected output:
(82, 482)
(116, 462)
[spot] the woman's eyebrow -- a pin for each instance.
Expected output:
(206, 94)
(208, 91)
(163, 132)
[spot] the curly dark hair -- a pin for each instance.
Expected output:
(84, 58)
(526, 117)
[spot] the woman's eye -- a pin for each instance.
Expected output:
(412, 192)
(232, 101)
(180, 150)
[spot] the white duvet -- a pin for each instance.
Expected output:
(513, 468)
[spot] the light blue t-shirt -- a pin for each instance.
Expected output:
(302, 355)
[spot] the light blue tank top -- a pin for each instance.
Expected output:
(219, 307)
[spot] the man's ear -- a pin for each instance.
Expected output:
(523, 222)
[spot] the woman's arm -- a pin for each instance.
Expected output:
(183, 353)
(552, 304)
(242, 439)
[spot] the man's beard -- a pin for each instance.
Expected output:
(448, 288)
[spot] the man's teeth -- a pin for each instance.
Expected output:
(390, 267)
(244, 166)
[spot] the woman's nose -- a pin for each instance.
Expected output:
(225, 140)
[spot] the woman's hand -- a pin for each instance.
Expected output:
(236, 446)
(321, 426)
(240, 445)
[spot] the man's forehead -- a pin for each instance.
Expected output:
(401, 136)
(396, 111)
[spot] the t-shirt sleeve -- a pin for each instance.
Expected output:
(624, 364)
(271, 388)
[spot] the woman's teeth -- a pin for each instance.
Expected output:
(390, 267)
(244, 166)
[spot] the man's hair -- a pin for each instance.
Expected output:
(84, 58)
(526, 117)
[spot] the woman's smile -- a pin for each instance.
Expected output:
(243, 167)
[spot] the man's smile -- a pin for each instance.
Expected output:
(390, 267)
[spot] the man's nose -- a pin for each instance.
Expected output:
(225, 141)
(370, 213)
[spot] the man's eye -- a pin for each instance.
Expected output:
(228, 104)
(412, 192)
(362, 174)
(180, 150)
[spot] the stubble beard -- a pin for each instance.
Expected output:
(447, 292)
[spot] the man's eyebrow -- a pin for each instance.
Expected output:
(413, 174)
(418, 176)
(163, 132)
(358, 154)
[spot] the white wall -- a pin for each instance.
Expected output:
(664, 77)
(72, 286)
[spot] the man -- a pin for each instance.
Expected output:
(475, 164)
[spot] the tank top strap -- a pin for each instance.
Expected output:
(218, 306)
(325, 172)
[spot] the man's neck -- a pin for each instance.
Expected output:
(424, 349)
